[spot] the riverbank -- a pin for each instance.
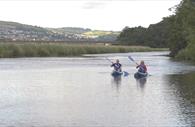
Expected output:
(13, 50)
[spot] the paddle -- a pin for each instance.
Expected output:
(125, 73)
(132, 60)
(108, 60)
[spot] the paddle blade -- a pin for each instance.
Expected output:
(131, 58)
(125, 73)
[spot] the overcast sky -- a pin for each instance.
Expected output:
(94, 14)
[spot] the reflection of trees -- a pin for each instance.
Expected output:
(185, 85)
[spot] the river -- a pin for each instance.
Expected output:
(80, 92)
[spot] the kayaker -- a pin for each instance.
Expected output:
(142, 67)
(117, 66)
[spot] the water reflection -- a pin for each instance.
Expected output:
(116, 82)
(182, 86)
(141, 83)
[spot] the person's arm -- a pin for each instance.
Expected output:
(145, 68)
(112, 65)
(120, 67)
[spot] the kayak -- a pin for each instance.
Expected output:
(116, 73)
(139, 75)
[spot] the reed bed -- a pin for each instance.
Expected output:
(13, 50)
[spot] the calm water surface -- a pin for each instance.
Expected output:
(79, 91)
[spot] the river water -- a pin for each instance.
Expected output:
(80, 92)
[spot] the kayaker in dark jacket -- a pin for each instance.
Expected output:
(142, 67)
(117, 66)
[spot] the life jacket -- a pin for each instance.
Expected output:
(142, 68)
(117, 66)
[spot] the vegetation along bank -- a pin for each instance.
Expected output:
(176, 32)
(12, 50)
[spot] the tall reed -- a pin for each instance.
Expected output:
(11, 50)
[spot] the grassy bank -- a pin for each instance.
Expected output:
(12, 50)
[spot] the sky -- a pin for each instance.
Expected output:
(94, 14)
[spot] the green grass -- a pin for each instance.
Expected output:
(100, 33)
(12, 50)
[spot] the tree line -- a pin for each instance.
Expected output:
(177, 32)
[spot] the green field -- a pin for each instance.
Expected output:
(13, 50)
(99, 33)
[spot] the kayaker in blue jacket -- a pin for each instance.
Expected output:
(117, 66)
(142, 67)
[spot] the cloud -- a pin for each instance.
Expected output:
(93, 5)
(96, 4)
(90, 2)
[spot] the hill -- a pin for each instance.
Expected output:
(13, 31)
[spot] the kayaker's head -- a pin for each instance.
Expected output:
(117, 61)
(142, 62)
